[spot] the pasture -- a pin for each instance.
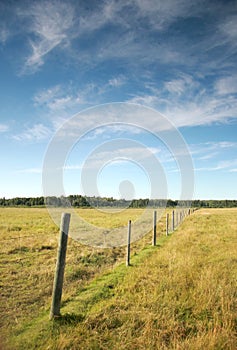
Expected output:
(180, 294)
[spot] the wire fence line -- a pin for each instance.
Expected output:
(14, 238)
(22, 254)
(173, 220)
(62, 248)
(176, 218)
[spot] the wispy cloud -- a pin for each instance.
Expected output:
(222, 165)
(137, 32)
(161, 15)
(186, 102)
(226, 85)
(180, 85)
(30, 171)
(212, 151)
(138, 40)
(212, 146)
(47, 95)
(228, 28)
(73, 167)
(37, 133)
(117, 81)
(50, 23)
(60, 102)
(6, 22)
(139, 27)
(145, 99)
(208, 156)
(4, 127)
(4, 34)
(142, 155)
(65, 100)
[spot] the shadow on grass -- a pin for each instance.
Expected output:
(69, 319)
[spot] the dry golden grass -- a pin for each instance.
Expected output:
(28, 239)
(181, 294)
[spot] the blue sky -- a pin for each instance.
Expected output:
(178, 57)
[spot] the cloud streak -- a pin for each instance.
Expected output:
(222, 165)
(4, 128)
(50, 26)
(37, 133)
(135, 33)
(30, 171)
(186, 102)
(226, 85)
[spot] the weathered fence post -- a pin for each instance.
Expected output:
(167, 224)
(154, 229)
(129, 243)
(173, 220)
(60, 265)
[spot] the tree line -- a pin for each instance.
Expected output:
(80, 201)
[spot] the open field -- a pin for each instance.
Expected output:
(181, 294)
(28, 240)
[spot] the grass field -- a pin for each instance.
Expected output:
(181, 294)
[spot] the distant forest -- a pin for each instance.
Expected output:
(87, 202)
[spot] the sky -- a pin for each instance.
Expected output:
(61, 59)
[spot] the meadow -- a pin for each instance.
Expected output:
(181, 294)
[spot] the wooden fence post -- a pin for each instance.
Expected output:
(129, 243)
(60, 265)
(167, 224)
(173, 220)
(154, 229)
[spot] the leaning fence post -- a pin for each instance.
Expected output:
(60, 265)
(129, 243)
(167, 224)
(154, 229)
